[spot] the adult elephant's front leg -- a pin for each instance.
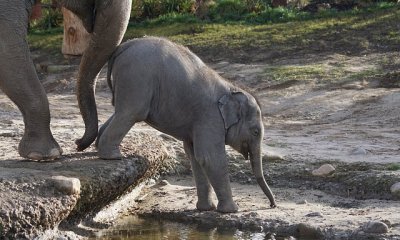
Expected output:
(19, 82)
(110, 24)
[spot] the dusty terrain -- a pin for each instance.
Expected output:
(353, 125)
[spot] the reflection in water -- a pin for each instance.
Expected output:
(136, 228)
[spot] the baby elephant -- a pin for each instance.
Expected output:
(171, 89)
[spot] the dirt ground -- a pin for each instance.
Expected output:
(352, 125)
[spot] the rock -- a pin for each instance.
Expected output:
(302, 202)
(272, 156)
(314, 214)
(324, 170)
(395, 189)
(307, 231)
(376, 227)
(66, 185)
(358, 151)
(164, 183)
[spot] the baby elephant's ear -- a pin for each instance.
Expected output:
(229, 106)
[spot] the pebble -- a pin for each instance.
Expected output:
(66, 185)
(314, 214)
(272, 156)
(302, 202)
(324, 170)
(395, 189)
(358, 151)
(164, 183)
(375, 227)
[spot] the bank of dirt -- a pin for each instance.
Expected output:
(350, 123)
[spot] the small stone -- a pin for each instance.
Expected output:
(358, 151)
(395, 189)
(272, 156)
(324, 170)
(307, 231)
(376, 227)
(314, 214)
(302, 202)
(164, 183)
(151, 182)
(66, 185)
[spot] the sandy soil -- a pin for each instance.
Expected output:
(353, 126)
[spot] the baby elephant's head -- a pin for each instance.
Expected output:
(242, 118)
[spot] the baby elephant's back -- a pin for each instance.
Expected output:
(163, 65)
(158, 55)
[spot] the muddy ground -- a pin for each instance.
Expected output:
(351, 124)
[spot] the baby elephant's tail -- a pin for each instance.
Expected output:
(121, 48)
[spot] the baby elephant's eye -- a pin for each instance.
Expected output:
(256, 132)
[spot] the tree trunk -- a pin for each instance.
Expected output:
(76, 38)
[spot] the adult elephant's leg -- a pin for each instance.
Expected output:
(19, 81)
(203, 186)
(110, 25)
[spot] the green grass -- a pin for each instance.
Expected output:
(244, 42)
(290, 72)
(287, 33)
(393, 167)
(49, 41)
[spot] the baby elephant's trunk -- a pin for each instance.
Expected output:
(256, 164)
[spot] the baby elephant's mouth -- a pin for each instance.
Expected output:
(244, 150)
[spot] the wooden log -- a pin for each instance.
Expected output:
(76, 38)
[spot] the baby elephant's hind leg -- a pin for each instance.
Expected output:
(101, 130)
(111, 136)
(132, 105)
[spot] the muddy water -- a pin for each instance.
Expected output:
(132, 227)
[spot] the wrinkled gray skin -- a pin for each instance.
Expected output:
(106, 20)
(171, 89)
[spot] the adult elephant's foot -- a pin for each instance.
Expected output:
(227, 207)
(37, 148)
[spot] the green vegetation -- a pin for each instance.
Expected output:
(393, 167)
(284, 33)
(345, 32)
(309, 72)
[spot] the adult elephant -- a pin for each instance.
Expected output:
(106, 20)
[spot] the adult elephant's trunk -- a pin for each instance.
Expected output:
(256, 164)
(110, 24)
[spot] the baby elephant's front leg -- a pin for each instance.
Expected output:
(211, 157)
(204, 189)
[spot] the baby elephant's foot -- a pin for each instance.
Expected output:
(227, 207)
(205, 205)
(111, 154)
